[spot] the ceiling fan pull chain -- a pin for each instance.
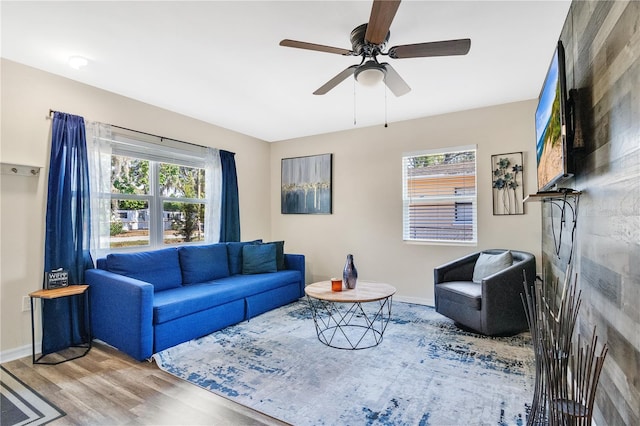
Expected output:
(385, 106)
(354, 101)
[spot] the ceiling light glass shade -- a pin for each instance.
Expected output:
(370, 73)
(77, 62)
(370, 77)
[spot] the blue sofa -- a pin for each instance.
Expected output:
(144, 302)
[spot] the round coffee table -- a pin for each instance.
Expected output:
(350, 319)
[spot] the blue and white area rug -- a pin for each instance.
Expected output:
(425, 372)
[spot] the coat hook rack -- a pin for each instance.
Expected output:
(20, 169)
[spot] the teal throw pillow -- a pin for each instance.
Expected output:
(234, 255)
(489, 264)
(259, 259)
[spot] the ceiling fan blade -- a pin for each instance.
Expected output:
(436, 48)
(382, 14)
(317, 47)
(394, 82)
(336, 80)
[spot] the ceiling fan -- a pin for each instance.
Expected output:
(369, 41)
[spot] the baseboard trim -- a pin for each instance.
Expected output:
(20, 352)
(415, 300)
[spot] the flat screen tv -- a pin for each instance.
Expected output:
(552, 144)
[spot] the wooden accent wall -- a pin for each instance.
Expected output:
(602, 44)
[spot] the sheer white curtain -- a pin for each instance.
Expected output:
(102, 142)
(213, 189)
(99, 146)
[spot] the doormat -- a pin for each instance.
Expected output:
(21, 405)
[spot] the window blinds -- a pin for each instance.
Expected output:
(439, 196)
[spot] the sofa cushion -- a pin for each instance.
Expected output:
(186, 300)
(159, 267)
(234, 254)
(489, 264)
(203, 263)
(179, 302)
(259, 259)
(465, 293)
(259, 283)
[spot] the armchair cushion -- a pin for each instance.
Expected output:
(465, 293)
(489, 264)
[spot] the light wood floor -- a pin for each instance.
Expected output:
(107, 387)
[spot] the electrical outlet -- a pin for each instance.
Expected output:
(26, 304)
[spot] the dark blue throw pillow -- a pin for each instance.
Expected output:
(279, 254)
(259, 259)
(203, 263)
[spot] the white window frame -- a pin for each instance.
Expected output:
(410, 198)
(137, 146)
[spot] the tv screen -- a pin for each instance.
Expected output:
(551, 118)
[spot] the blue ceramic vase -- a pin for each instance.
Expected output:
(350, 273)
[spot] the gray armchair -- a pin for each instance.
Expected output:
(492, 307)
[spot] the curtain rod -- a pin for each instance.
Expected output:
(51, 112)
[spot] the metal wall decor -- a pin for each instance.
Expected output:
(306, 185)
(508, 189)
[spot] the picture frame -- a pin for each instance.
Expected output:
(507, 183)
(306, 185)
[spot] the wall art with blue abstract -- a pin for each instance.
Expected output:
(306, 185)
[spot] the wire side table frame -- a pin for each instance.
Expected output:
(351, 319)
(69, 291)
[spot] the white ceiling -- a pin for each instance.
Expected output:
(220, 62)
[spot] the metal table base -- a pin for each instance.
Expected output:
(352, 326)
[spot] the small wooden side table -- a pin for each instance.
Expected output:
(57, 293)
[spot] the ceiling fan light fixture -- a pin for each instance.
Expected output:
(78, 62)
(370, 74)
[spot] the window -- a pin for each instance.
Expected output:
(156, 193)
(439, 196)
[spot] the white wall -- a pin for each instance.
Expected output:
(27, 94)
(367, 197)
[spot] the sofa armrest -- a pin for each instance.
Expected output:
(457, 270)
(510, 280)
(502, 304)
(296, 262)
(121, 312)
